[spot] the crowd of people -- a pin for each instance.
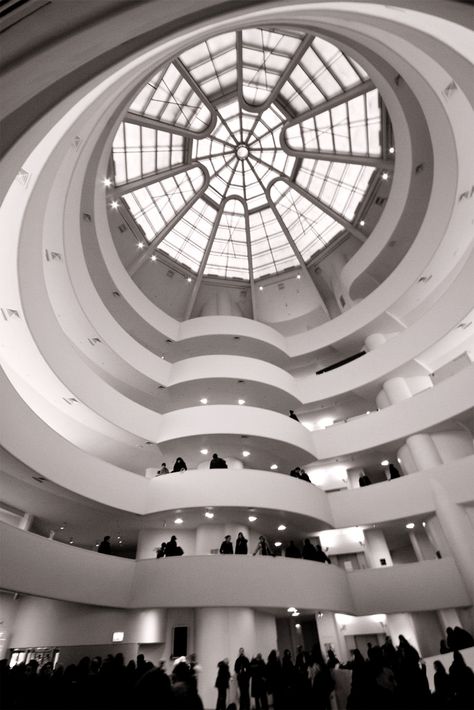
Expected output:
(456, 639)
(390, 678)
(99, 684)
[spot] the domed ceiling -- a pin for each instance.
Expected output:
(250, 152)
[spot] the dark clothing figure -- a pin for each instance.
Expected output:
(293, 551)
(185, 696)
(259, 688)
(295, 472)
(172, 548)
(226, 547)
(462, 683)
(333, 660)
(161, 552)
(274, 679)
(222, 683)
(292, 415)
(364, 480)
(263, 548)
(241, 547)
(217, 462)
(393, 472)
(462, 638)
(304, 476)
(321, 555)
(288, 680)
(104, 546)
(442, 686)
(242, 671)
(179, 465)
(309, 551)
(389, 653)
(443, 647)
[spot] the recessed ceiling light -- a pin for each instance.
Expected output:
(298, 276)
(368, 412)
(385, 462)
(114, 204)
(189, 279)
(107, 182)
(71, 541)
(260, 288)
(391, 149)
(297, 626)
(278, 544)
(273, 467)
(384, 176)
(295, 613)
(208, 514)
(178, 521)
(241, 401)
(252, 518)
(410, 526)
(204, 451)
(245, 454)
(203, 400)
(291, 609)
(362, 222)
(140, 245)
(282, 527)
(424, 524)
(153, 258)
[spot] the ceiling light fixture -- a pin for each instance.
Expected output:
(204, 451)
(385, 462)
(208, 514)
(384, 176)
(278, 543)
(153, 257)
(260, 288)
(203, 400)
(291, 609)
(140, 245)
(295, 613)
(241, 401)
(297, 626)
(252, 518)
(189, 279)
(410, 526)
(107, 182)
(178, 521)
(391, 150)
(245, 454)
(281, 527)
(273, 467)
(362, 222)
(298, 276)
(114, 204)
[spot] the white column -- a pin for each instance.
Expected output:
(374, 341)
(376, 548)
(448, 617)
(329, 633)
(423, 451)
(219, 634)
(459, 533)
(416, 546)
(26, 522)
(396, 390)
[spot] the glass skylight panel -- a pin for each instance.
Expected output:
(271, 251)
(340, 186)
(310, 227)
(338, 62)
(265, 56)
(139, 151)
(170, 99)
(155, 205)
(187, 241)
(213, 65)
(228, 256)
(241, 162)
(345, 128)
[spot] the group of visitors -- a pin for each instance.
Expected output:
(300, 473)
(169, 549)
(393, 678)
(392, 472)
(100, 684)
(456, 639)
(282, 683)
(179, 465)
(307, 552)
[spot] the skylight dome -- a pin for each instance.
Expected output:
(250, 152)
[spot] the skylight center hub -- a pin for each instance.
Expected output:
(242, 152)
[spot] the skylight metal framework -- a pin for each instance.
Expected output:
(250, 152)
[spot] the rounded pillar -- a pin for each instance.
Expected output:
(424, 452)
(219, 634)
(374, 341)
(376, 549)
(396, 390)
